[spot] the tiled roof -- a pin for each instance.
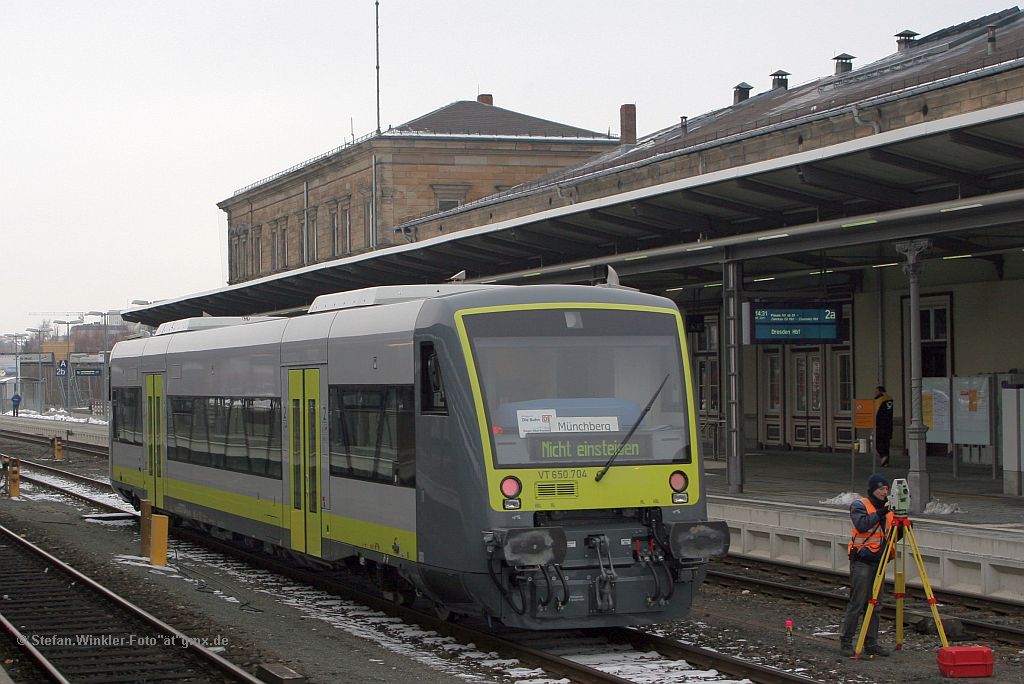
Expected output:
(468, 117)
(959, 49)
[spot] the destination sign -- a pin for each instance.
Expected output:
(576, 448)
(795, 324)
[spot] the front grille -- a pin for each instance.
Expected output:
(549, 489)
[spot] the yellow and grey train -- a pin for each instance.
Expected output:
(526, 454)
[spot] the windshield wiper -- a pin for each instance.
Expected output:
(629, 434)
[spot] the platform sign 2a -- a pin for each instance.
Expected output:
(780, 324)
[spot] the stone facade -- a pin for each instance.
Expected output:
(780, 141)
(335, 207)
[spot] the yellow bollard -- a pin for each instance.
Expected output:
(58, 449)
(158, 545)
(146, 524)
(13, 478)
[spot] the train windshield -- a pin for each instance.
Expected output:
(566, 386)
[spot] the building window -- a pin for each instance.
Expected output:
(273, 251)
(346, 227)
(257, 253)
(284, 247)
(311, 222)
(334, 233)
(450, 195)
(368, 224)
(844, 382)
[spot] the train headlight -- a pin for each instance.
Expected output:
(511, 487)
(679, 482)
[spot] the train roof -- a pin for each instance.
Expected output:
(390, 294)
(208, 323)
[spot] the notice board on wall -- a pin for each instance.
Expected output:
(936, 409)
(972, 410)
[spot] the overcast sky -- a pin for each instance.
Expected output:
(125, 122)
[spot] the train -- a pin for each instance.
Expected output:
(526, 455)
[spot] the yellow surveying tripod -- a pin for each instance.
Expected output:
(896, 550)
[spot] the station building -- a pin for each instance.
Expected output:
(833, 195)
(347, 201)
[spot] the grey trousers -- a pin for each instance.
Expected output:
(862, 576)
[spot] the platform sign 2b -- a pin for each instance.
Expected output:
(782, 324)
(62, 368)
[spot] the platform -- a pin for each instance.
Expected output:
(974, 543)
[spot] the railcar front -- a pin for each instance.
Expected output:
(578, 495)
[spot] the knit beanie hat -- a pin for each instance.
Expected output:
(875, 481)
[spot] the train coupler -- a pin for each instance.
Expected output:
(603, 586)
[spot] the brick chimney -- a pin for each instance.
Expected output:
(779, 80)
(627, 124)
(991, 40)
(905, 40)
(485, 98)
(844, 63)
(740, 92)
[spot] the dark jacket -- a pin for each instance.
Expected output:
(883, 416)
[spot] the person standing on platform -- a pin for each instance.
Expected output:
(883, 424)
(871, 518)
(16, 402)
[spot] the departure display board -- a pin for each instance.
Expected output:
(794, 324)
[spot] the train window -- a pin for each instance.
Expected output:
(127, 402)
(432, 397)
(372, 433)
(240, 434)
(569, 386)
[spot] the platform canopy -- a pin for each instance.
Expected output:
(824, 215)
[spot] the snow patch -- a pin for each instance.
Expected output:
(844, 499)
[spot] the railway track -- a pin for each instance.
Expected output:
(76, 630)
(68, 444)
(593, 659)
(822, 591)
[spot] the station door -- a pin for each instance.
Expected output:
(805, 397)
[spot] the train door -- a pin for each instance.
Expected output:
(806, 407)
(154, 439)
(304, 459)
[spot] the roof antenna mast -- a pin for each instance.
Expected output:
(376, 19)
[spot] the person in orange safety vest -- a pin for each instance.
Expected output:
(871, 519)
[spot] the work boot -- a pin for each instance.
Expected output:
(876, 650)
(846, 649)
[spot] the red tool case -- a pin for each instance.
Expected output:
(965, 661)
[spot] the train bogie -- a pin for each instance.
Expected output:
(527, 454)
